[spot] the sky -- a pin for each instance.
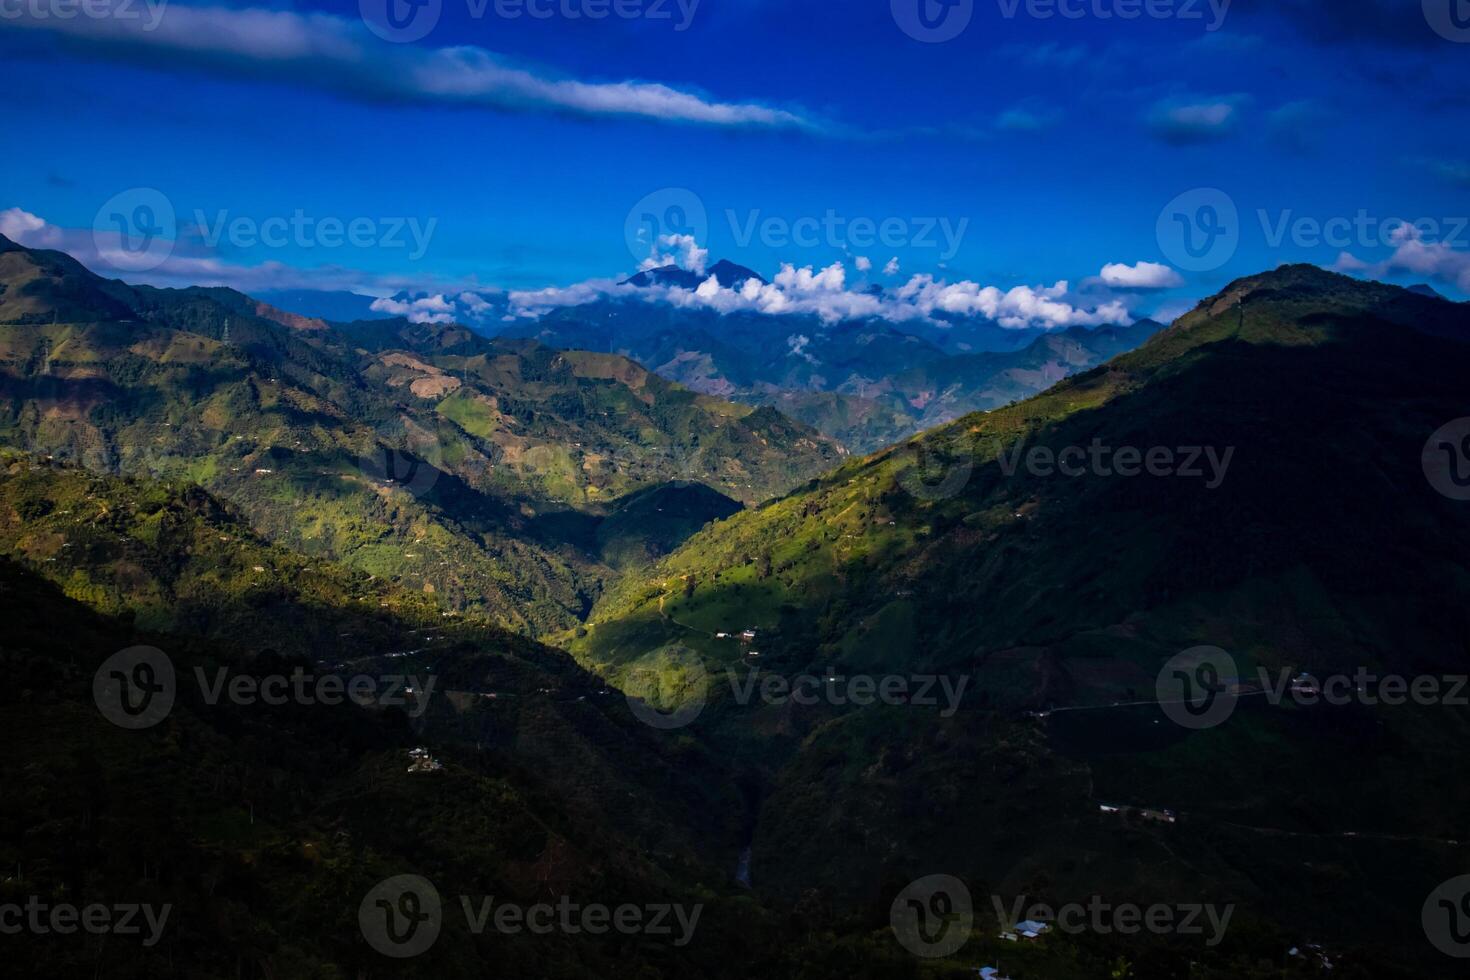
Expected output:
(1043, 161)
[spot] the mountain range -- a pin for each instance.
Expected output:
(427, 454)
(1313, 542)
(566, 540)
(865, 382)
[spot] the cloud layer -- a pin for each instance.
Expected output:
(341, 56)
(824, 293)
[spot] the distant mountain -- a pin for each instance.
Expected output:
(424, 454)
(1424, 289)
(339, 306)
(1293, 526)
(867, 383)
(726, 273)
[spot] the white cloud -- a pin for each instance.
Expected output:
(823, 293)
(1141, 275)
(686, 254)
(423, 309)
(474, 302)
(1412, 255)
(19, 226)
(891, 269)
(340, 55)
(863, 263)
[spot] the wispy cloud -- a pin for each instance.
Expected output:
(1028, 117)
(1436, 261)
(1182, 121)
(189, 264)
(341, 56)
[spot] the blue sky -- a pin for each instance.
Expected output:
(1025, 150)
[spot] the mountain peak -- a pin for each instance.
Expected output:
(728, 274)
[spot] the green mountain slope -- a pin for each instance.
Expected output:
(1320, 546)
(418, 453)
